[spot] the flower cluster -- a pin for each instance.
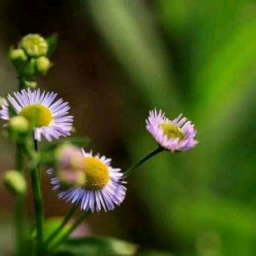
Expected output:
(77, 176)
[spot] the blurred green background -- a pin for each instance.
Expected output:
(118, 59)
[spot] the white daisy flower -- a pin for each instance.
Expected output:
(174, 135)
(103, 187)
(46, 117)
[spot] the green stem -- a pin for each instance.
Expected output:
(62, 225)
(38, 202)
(84, 216)
(21, 82)
(143, 160)
(20, 200)
(19, 207)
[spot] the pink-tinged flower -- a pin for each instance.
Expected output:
(46, 117)
(103, 186)
(174, 135)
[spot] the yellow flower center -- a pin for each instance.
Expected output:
(171, 131)
(97, 175)
(37, 115)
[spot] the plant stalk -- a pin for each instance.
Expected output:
(38, 204)
(85, 215)
(19, 207)
(62, 225)
(130, 171)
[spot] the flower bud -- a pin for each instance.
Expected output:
(70, 166)
(31, 84)
(15, 182)
(71, 178)
(42, 65)
(34, 45)
(69, 157)
(19, 124)
(17, 56)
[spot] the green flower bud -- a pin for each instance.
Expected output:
(15, 182)
(17, 56)
(42, 65)
(19, 124)
(31, 84)
(34, 45)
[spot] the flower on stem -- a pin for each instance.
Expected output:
(69, 166)
(103, 187)
(47, 118)
(34, 45)
(174, 135)
(19, 124)
(42, 65)
(15, 182)
(17, 56)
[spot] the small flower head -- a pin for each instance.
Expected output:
(17, 56)
(46, 117)
(69, 157)
(19, 124)
(43, 64)
(103, 186)
(174, 135)
(15, 182)
(30, 84)
(69, 165)
(34, 45)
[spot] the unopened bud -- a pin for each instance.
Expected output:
(17, 56)
(43, 64)
(69, 157)
(15, 182)
(31, 84)
(19, 124)
(34, 45)
(71, 178)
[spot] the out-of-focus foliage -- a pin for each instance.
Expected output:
(198, 58)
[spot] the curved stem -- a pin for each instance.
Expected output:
(130, 171)
(84, 216)
(62, 225)
(38, 202)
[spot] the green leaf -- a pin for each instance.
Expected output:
(51, 225)
(52, 44)
(97, 246)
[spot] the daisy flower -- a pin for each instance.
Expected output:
(103, 187)
(174, 135)
(48, 118)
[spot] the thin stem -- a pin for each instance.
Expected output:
(21, 82)
(84, 216)
(38, 202)
(20, 200)
(143, 160)
(62, 225)
(19, 207)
